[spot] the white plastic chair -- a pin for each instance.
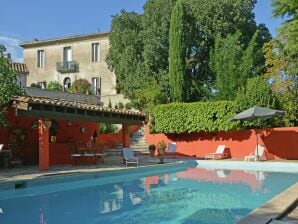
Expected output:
(172, 148)
(258, 153)
(219, 154)
(128, 156)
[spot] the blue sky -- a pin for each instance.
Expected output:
(23, 20)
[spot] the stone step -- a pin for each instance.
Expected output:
(138, 139)
(139, 143)
(142, 148)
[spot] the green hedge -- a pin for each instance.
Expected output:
(193, 117)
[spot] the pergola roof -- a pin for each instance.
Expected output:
(61, 109)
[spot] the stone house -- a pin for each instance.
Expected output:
(70, 58)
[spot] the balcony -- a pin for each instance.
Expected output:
(67, 66)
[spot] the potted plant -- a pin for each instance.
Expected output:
(161, 148)
(152, 150)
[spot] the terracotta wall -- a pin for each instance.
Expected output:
(280, 143)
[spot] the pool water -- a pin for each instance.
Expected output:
(190, 195)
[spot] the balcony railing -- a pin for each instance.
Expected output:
(67, 66)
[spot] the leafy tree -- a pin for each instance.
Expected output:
(80, 86)
(54, 86)
(177, 53)
(140, 43)
(257, 92)
(147, 97)
(233, 65)
(8, 85)
(155, 38)
(281, 73)
(125, 54)
(288, 32)
(282, 60)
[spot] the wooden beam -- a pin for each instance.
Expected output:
(132, 119)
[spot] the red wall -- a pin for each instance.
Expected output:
(69, 138)
(280, 143)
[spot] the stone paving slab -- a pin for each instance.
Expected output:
(274, 208)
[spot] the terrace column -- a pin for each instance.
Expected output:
(44, 145)
(125, 135)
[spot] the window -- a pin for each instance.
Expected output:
(96, 86)
(40, 58)
(95, 52)
(42, 85)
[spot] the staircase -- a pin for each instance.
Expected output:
(137, 143)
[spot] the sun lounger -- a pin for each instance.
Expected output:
(219, 154)
(256, 155)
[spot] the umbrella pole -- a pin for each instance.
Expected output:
(257, 156)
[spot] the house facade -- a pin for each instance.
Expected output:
(70, 58)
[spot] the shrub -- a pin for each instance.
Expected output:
(128, 106)
(193, 117)
(54, 86)
(120, 105)
(81, 86)
(107, 128)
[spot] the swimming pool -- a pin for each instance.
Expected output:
(175, 195)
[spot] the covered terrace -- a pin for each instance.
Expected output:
(64, 123)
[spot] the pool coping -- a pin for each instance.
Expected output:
(53, 177)
(266, 166)
(273, 209)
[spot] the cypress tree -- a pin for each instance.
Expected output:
(177, 53)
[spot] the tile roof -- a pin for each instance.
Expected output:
(71, 38)
(20, 68)
(73, 104)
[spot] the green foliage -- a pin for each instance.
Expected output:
(128, 106)
(120, 105)
(8, 85)
(110, 104)
(257, 92)
(177, 53)
(125, 53)
(151, 147)
(81, 86)
(282, 59)
(193, 117)
(233, 65)
(54, 86)
(147, 97)
(108, 128)
(282, 73)
(140, 43)
(288, 31)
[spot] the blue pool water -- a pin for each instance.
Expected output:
(185, 195)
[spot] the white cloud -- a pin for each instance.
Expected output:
(12, 47)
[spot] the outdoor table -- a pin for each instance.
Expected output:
(77, 156)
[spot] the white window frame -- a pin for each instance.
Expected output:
(96, 86)
(40, 58)
(95, 52)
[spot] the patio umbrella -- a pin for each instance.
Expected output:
(254, 113)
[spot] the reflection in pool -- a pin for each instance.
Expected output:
(192, 195)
